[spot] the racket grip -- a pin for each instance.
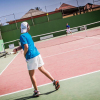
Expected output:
(11, 52)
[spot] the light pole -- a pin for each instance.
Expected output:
(77, 2)
(78, 5)
(0, 21)
(93, 1)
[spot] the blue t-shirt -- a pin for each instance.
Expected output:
(67, 26)
(32, 52)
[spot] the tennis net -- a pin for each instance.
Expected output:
(80, 32)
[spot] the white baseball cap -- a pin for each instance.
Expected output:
(24, 27)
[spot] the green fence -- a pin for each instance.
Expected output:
(42, 27)
(34, 21)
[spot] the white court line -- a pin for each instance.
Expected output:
(9, 64)
(94, 37)
(71, 50)
(51, 82)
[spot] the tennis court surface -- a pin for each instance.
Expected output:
(72, 59)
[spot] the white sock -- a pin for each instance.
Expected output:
(53, 81)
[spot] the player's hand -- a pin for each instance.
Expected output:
(14, 51)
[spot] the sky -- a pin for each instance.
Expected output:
(17, 8)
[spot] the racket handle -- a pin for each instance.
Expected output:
(11, 52)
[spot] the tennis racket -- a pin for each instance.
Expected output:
(4, 54)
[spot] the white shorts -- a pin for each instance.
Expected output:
(34, 63)
(68, 30)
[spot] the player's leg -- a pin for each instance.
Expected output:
(66, 32)
(46, 73)
(70, 31)
(32, 65)
(42, 69)
(33, 80)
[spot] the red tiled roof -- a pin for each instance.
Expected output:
(65, 6)
(93, 5)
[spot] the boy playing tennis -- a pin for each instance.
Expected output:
(68, 29)
(33, 58)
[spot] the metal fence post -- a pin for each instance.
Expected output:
(61, 8)
(47, 14)
(15, 21)
(32, 19)
(78, 6)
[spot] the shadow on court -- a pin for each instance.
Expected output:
(29, 97)
(48, 92)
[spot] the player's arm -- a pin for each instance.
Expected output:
(25, 49)
(17, 49)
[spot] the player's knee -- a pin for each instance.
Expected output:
(40, 68)
(31, 72)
